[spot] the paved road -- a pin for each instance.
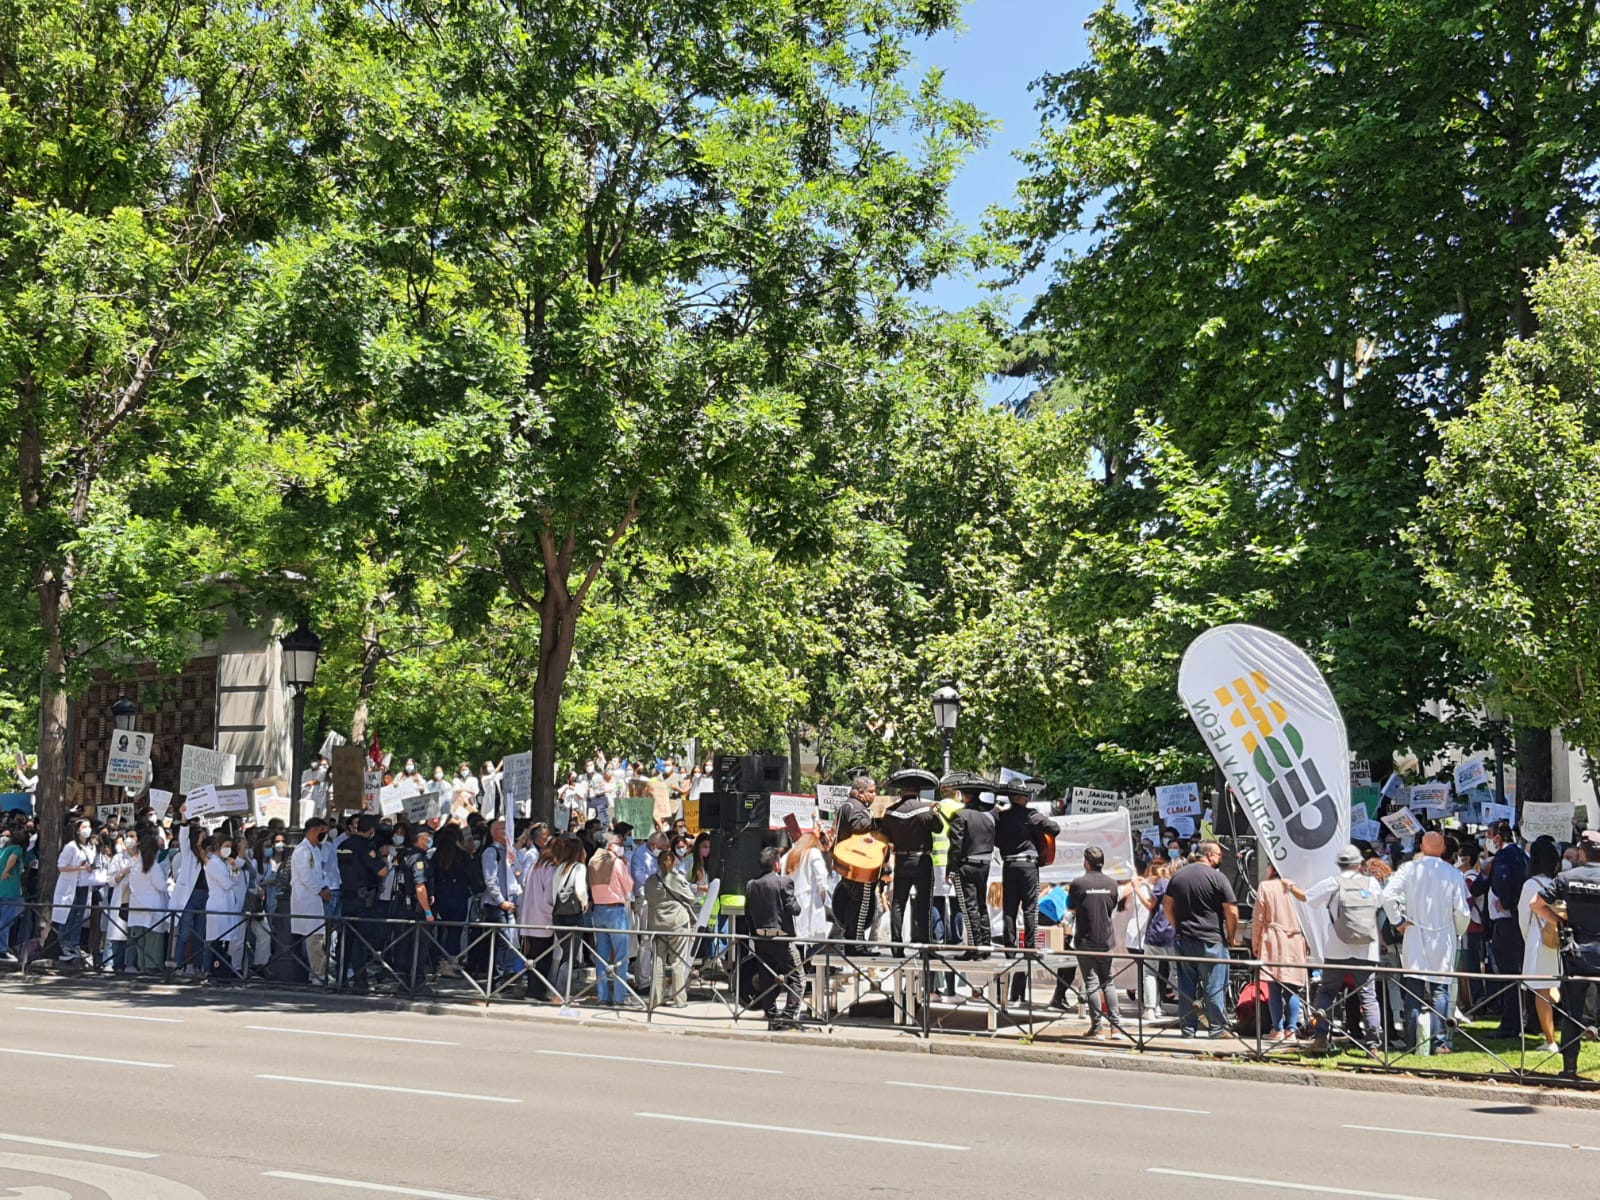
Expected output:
(175, 1097)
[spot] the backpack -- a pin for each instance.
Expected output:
(1160, 931)
(567, 903)
(1355, 913)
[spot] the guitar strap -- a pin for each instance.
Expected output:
(869, 897)
(960, 890)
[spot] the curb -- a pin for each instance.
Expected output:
(1150, 1062)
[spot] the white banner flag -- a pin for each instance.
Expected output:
(1274, 728)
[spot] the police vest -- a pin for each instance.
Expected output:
(941, 831)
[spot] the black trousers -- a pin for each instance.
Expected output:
(913, 885)
(1019, 882)
(778, 975)
(852, 908)
(1505, 939)
(972, 897)
(1580, 977)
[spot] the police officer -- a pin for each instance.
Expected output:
(415, 896)
(361, 872)
(853, 902)
(1573, 900)
(1016, 836)
(908, 826)
(971, 854)
(771, 906)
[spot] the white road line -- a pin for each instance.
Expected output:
(365, 1037)
(379, 1087)
(391, 1189)
(940, 1087)
(78, 1012)
(662, 1062)
(822, 1133)
(115, 1062)
(1282, 1184)
(87, 1149)
(1472, 1137)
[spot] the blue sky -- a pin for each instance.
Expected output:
(1007, 44)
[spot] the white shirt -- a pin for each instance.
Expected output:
(305, 889)
(147, 894)
(1432, 895)
(327, 863)
(1319, 902)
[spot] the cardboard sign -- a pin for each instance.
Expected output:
(391, 800)
(1365, 831)
(128, 763)
(1178, 800)
(1094, 800)
(1403, 824)
(1360, 773)
(1491, 812)
(349, 775)
(232, 800)
(516, 784)
(1547, 820)
(1151, 834)
(1394, 788)
(268, 801)
(1471, 774)
(1431, 798)
(159, 802)
(121, 813)
(418, 806)
(1141, 809)
(201, 802)
(200, 766)
(786, 804)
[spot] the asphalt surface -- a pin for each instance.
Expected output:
(174, 1097)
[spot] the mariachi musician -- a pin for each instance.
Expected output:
(971, 855)
(908, 824)
(853, 901)
(1019, 834)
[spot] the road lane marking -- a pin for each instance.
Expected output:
(822, 1133)
(661, 1062)
(1473, 1137)
(115, 1062)
(365, 1037)
(78, 1012)
(361, 1185)
(1283, 1184)
(941, 1087)
(380, 1087)
(87, 1149)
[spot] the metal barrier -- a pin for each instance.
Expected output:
(722, 975)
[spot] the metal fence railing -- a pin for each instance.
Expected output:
(1363, 1016)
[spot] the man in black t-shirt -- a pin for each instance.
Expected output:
(1200, 905)
(1093, 898)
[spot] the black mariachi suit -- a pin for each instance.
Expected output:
(909, 828)
(1015, 828)
(771, 906)
(852, 902)
(971, 853)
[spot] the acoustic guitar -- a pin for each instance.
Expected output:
(1045, 843)
(860, 858)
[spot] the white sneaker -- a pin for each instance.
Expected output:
(1151, 1014)
(1550, 1048)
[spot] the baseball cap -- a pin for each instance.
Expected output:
(1349, 856)
(1590, 837)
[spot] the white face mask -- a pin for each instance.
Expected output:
(83, 835)
(226, 852)
(399, 841)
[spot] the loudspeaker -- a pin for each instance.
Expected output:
(711, 810)
(735, 811)
(750, 773)
(736, 859)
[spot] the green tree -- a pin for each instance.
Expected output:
(1508, 536)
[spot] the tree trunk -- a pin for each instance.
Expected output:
(1534, 768)
(558, 619)
(53, 766)
(371, 656)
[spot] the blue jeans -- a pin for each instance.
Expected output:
(1438, 993)
(1194, 977)
(72, 931)
(507, 961)
(192, 931)
(1276, 998)
(611, 951)
(10, 910)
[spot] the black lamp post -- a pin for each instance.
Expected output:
(946, 711)
(301, 651)
(1496, 716)
(123, 713)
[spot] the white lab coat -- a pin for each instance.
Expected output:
(1432, 895)
(68, 882)
(227, 883)
(305, 890)
(147, 895)
(117, 876)
(811, 890)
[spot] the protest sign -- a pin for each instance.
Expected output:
(201, 802)
(120, 813)
(1547, 820)
(200, 766)
(1471, 774)
(802, 808)
(348, 767)
(232, 800)
(371, 785)
(418, 806)
(1178, 800)
(1431, 798)
(1151, 834)
(1141, 809)
(159, 802)
(1394, 788)
(517, 783)
(392, 800)
(1491, 812)
(1402, 823)
(829, 797)
(128, 763)
(1093, 800)
(1360, 773)
(1366, 831)
(1110, 832)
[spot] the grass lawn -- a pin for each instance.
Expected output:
(1472, 1057)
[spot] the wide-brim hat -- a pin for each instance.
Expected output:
(1020, 787)
(912, 779)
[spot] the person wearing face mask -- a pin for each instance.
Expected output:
(362, 871)
(226, 886)
(148, 897)
(490, 789)
(308, 892)
(74, 886)
(123, 851)
(441, 792)
(11, 856)
(264, 902)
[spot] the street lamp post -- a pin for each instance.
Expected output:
(1496, 715)
(301, 651)
(946, 711)
(123, 713)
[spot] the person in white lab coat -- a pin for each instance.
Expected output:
(227, 884)
(1426, 900)
(308, 891)
(809, 869)
(74, 889)
(125, 849)
(148, 887)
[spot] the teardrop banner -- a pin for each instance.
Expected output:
(1274, 728)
